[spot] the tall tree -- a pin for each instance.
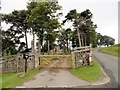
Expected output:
(62, 40)
(11, 43)
(19, 26)
(32, 28)
(17, 19)
(107, 40)
(43, 18)
(82, 24)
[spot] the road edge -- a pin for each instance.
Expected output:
(105, 80)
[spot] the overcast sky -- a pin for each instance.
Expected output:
(105, 12)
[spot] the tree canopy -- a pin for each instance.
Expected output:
(42, 19)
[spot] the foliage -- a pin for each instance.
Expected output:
(11, 42)
(105, 40)
(39, 17)
(64, 38)
(84, 28)
(43, 20)
(17, 30)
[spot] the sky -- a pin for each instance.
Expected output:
(105, 13)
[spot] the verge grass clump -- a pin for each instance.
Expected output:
(89, 73)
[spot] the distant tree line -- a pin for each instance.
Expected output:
(104, 40)
(42, 19)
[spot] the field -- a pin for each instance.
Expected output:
(112, 50)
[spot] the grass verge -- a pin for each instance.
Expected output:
(11, 80)
(88, 73)
(112, 50)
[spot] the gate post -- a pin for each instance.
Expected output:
(90, 55)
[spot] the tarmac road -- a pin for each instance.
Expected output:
(110, 66)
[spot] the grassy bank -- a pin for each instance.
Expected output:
(11, 80)
(88, 73)
(112, 50)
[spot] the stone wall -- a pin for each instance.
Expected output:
(82, 56)
(16, 63)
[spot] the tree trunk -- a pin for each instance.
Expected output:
(79, 37)
(85, 39)
(33, 43)
(33, 48)
(67, 44)
(39, 48)
(26, 48)
(82, 39)
(48, 47)
(26, 40)
(64, 48)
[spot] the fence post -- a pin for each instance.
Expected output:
(73, 59)
(90, 55)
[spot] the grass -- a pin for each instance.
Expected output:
(88, 73)
(112, 50)
(11, 80)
